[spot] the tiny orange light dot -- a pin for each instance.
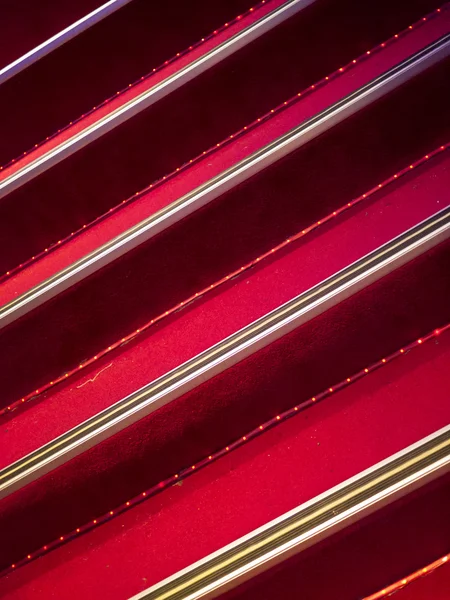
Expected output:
(261, 427)
(331, 389)
(278, 417)
(445, 559)
(144, 493)
(111, 512)
(348, 379)
(401, 351)
(313, 399)
(295, 407)
(193, 467)
(209, 457)
(127, 504)
(61, 538)
(419, 341)
(78, 530)
(29, 556)
(244, 438)
(227, 448)
(366, 370)
(404, 581)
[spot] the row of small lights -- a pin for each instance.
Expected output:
(166, 63)
(232, 137)
(33, 395)
(398, 585)
(166, 483)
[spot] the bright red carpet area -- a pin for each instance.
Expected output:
(237, 228)
(285, 466)
(290, 371)
(354, 564)
(365, 417)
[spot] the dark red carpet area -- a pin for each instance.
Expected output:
(176, 130)
(235, 229)
(288, 372)
(25, 24)
(141, 35)
(101, 61)
(369, 556)
(345, 390)
(303, 457)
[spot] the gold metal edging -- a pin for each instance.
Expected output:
(318, 513)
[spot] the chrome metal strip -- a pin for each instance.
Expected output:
(60, 38)
(228, 352)
(149, 97)
(309, 523)
(228, 179)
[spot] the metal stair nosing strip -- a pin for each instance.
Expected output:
(228, 352)
(60, 38)
(309, 523)
(223, 182)
(152, 95)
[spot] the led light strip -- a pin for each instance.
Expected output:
(225, 181)
(35, 394)
(151, 96)
(247, 128)
(310, 522)
(228, 352)
(398, 585)
(256, 432)
(60, 38)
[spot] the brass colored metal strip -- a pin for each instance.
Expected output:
(226, 353)
(400, 471)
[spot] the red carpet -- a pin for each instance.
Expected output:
(303, 457)
(405, 134)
